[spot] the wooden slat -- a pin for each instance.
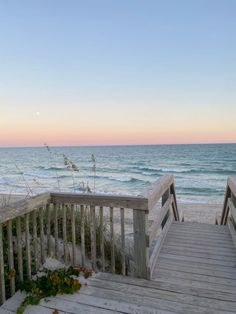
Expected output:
(122, 224)
(233, 232)
(219, 272)
(56, 230)
(174, 204)
(148, 300)
(82, 235)
(193, 253)
(93, 235)
(232, 184)
(157, 189)
(161, 272)
(148, 292)
(138, 202)
(114, 302)
(10, 257)
(19, 248)
(35, 239)
(73, 234)
(48, 213)
(113, 267)
(42, 246)
(73, 307)
(232, 210)
(27, 247)
(2, 279)
(161, 214)
(160, 285)
(24, 206)
(64, 228)
(141, 243)
(201, 249)
(158, 246)
(102, 237)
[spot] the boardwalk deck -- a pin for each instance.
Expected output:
(195, 273)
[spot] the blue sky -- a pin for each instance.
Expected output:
(118, 66)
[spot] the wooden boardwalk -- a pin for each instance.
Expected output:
(195, 273)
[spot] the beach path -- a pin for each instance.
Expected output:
(195, 273)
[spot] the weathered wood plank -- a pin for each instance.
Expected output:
(48, 213)
(193, 253)
(201, 265)
(2, 278)
(158, 246)
(138, 202)
(93, 236)
(24, 206)
(200, 226)
(157, 189)
(166, 286)
(122, 224)
(141, 243)
(193, 269)
(161, 214)
(201, 249)
(73, 234)
(102, 253)
(134, 294)
(27, 247)
(64, 231)
(150, 295)
(232, 231)
(64, 306)
(113, 266)
(11, 271)
(82, 217)
(161, 272)
(115, 301)
(35, 239)
(55, 206)
(198, 259)
(232, 210)
(19, 248)
(41, 226)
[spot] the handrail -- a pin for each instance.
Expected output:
(24, 206)
(107, 200)
(230, 193)
(163, 189)
(158, 189)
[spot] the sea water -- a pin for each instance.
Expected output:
(200, 171)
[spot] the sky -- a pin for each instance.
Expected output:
(101, 72)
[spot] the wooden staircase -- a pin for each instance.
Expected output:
(195, 273)
(191, 266)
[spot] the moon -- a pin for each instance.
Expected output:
(37, 113)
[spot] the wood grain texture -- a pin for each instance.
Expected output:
(2, 278)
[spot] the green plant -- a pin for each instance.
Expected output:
(49, 283)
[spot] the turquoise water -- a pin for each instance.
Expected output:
(200, 171)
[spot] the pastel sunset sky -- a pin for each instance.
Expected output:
(97, 72)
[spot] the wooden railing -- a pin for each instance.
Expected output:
(84, 229)
(229, 201)
(229, 208)
(162, 201)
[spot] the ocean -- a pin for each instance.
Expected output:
(200, 171)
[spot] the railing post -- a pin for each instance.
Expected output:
(2, 279)
(225, 211)
(141, 243)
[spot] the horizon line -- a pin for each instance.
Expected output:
(117, 145)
